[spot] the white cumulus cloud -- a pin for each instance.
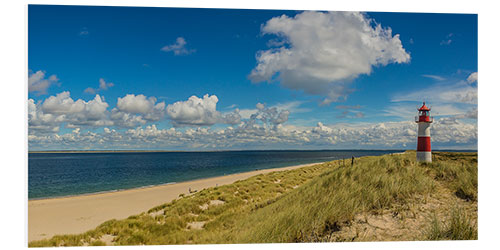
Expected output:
(132, 110)
(37, 82)
(77, 112)
(136, 103)
(179, 47)
(472, 78)
(62, 104)
(103, 85)
(322, 52)
(195, 111)
(47, 116)
(232, 117)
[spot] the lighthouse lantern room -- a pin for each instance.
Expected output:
(424, 121)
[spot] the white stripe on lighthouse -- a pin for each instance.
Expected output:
(424, 156)
(424, 129)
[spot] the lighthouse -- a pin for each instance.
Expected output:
(424, 121)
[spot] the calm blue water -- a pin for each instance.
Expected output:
(62, 174)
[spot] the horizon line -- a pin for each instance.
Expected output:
(222, 150)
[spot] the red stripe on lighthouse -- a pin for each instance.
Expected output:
(424, 144)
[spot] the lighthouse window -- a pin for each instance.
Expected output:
(424, 113)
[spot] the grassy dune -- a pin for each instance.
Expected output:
(388, 197)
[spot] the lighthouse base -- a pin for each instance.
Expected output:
(424, 156)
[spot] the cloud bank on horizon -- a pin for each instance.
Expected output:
(329, 93)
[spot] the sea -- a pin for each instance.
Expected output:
(68, 174)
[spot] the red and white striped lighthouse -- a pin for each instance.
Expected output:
(424, 121)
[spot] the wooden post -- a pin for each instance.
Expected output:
(352, 161)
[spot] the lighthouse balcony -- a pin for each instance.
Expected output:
(428, 119)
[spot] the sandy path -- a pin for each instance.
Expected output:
(77, 214)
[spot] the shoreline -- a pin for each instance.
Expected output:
(79, 213)
(161, 184)
(107, 191)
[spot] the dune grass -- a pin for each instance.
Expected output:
(302, 205)
(458, 171)
(459, 226)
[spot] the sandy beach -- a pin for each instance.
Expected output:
(77, 214)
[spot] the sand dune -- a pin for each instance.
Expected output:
(77, 214)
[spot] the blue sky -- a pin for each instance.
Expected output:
(125, 77)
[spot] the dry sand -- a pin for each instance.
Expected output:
(78, 214)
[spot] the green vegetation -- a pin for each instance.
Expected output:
(459, 226)
(458, 170)
(308, 204)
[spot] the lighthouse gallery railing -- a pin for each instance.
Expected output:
(430, 119)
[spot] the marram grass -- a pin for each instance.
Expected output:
(459, 226)
(300, 205)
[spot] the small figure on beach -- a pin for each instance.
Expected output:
(189, 190)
